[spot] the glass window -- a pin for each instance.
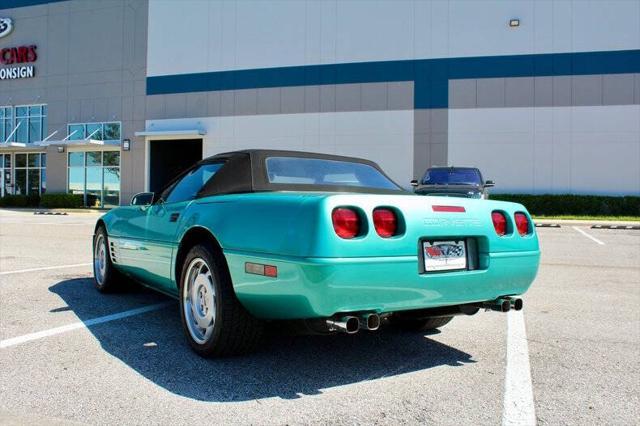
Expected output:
(7, 160)
(76, 132)
(43, 160)
(34, 181)
(34, 160)
(76, 159)
(22, 133)
(94, 158)
(22, 111)
(99, 180)
(112, 131)
(76, 180)
(111, 186)
(94, 131)
(20, 187)
(452, 176)
(315, 171)
(43, 180)
(21, 160)
(187, 188)
(112, 158)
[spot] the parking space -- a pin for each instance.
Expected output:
(582, 330)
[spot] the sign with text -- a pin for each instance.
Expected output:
(22, 56)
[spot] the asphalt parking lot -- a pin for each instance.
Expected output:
(69, 354)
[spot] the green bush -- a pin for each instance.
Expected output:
(62, 200)
(20, 201)
(566, 204)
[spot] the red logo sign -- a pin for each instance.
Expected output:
(18, 55)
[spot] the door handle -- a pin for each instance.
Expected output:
(174, 217)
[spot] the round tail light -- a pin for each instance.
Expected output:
(499, 223)
(346, 222)
(522, 223)
(385, 222)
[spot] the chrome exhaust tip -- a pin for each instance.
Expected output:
(516, 303)
(346, 324)
(370, 322)
(498, 305)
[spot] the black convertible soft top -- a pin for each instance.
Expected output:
(246, 171)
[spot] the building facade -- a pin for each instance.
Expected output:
(108, 98)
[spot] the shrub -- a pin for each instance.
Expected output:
(567, 204)
(20, 201)
(62, 200)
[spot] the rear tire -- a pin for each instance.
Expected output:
(214, 321)
(106, 277)
(419, 324)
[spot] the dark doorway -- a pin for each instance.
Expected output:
(167, 159)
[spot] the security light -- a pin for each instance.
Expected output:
(60, 149)
(126, 144)
(514, 23)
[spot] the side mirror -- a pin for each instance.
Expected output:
(414, 182)
(489, 184)
(142, 199)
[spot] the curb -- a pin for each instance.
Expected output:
(51, 213)
(623, 227)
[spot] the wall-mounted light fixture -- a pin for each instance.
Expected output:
(126, 144)
(60, 149)
(513, 23)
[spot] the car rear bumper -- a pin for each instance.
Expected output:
(321, 287)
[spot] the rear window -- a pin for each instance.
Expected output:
(452, 176)
(314, 171)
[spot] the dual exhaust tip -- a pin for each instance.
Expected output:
(351, 324)
(504, 304)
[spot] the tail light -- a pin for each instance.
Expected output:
(385, 222)
(346, 222)
(522, 223)
(499, 223)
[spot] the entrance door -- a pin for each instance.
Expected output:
(169, 158)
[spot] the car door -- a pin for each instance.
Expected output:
(164, 219)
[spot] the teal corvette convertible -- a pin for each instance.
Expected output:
(248, 237)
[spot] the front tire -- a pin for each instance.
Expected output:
(214, 321)
(106, 278)
(419, 324)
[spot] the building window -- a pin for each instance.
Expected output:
(31, 122)
(29, 174)
(109, 131)
(95, 175)
(6, 123)
(5, 174)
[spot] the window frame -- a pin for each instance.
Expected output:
(44, 112)
(40, 167)
(84, 167)
(166, 193)
(85, 133)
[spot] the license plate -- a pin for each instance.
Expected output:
(444, 255)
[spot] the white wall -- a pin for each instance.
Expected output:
(385, 137)
(581, 150)
(191, 36)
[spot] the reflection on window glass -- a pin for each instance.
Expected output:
(111, 186)
(94, 158)
(111, 158)
(94, 131)
(21, 160)
(35, 110)
(22, 133)
(35, 129)
(76, 132)
(43, 161)
(34, 181)
(76, 159)
(20, 185)
(22, 111)
(43, 181)
(34, 160)
(187, 188)
(111, 131)
(76, 180)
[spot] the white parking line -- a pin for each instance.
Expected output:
(44, 268)
(76, 325)
(519, 408)
(591, 237)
